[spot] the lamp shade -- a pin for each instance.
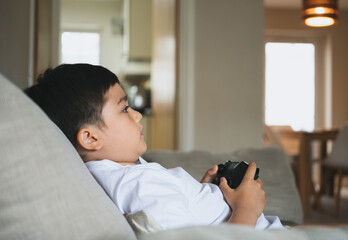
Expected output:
(320, 13)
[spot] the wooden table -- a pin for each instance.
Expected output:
(305, 186)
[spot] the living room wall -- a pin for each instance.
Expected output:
(336, 37)
(221, 74)
(16, 39)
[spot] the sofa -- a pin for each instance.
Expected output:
(46, 191)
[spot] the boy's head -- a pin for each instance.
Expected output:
(88, 104)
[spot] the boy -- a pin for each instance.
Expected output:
(88, 104)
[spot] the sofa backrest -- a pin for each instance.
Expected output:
(46, 192)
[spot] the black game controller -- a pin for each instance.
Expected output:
(233, 172)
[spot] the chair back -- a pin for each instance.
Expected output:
(270, 138)
(284, 137)
(339, 154)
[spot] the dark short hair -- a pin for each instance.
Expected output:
(73, 95)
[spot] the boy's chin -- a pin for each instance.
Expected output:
(144, 149)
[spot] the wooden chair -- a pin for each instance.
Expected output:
(287, 139)
(336, 163)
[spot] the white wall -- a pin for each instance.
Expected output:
(16, 41)
(96, 16)
(225, 97)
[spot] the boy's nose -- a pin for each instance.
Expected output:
(137, 116)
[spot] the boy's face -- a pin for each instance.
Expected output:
(122, 138)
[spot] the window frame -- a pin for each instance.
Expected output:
(80, 30)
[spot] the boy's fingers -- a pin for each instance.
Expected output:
(210, 175)
(224, 186)
(250, 173)
(259, 181)
(213, 170)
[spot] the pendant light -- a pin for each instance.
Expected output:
(320, 13)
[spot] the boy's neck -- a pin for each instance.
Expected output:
(91, 157)
(121, 163)
(126, 163)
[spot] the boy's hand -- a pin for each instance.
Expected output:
(248, 200)
(210, 175)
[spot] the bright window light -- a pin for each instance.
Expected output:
(80, 47)
(290, 85)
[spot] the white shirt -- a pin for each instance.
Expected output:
(172, 196)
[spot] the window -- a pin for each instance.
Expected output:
(290, 85)
(80, 47)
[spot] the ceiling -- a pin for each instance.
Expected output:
(290, 4)
(297, 4)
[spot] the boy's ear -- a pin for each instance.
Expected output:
(88, 138)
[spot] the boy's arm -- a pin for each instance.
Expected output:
(210, 175)
(247, 201)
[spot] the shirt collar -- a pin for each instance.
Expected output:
(140, 161)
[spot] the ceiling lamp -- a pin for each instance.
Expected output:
(320, 13)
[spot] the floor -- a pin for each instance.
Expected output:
(325, 216)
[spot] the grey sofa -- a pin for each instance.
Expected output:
(46, 192)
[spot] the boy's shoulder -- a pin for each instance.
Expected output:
(109, 173)
(108, 165)
(105, 163)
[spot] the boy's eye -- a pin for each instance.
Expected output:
(126, 109)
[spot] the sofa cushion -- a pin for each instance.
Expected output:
(239, 232)
(46, 192)
(224, 232)
(278, 181)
